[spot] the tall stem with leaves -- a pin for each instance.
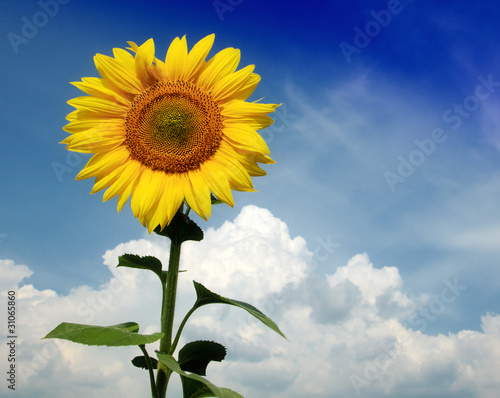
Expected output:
(192, 359)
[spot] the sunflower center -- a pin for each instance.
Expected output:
(173, 127)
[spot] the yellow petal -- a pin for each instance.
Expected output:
(196, 57)
(126, 179)
(144, 63)
(117, 74)
(236, 174)
(124, 194)
(160, 71)
(76, 125)
(161, 214)
(253, 156)
(246, 89)
(173, 195)
(103, 162)
(244, 137)
(83, 115)
(133, 46)
(254, 122)
(95, 104)
(249, 160)
(103, 145)
(94, 133)
(238, 108)
(253, 169)
(155, 190)
(197, 194)
(125, 59)
(175, 61)
(220, 65)
(140, 191)
(215, 176)
(230, 84)
(157, 215)
(106, 180)
(96, 87)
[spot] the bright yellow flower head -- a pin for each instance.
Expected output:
(165, 132)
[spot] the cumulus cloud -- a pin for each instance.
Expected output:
(355, 332)
(12, 274)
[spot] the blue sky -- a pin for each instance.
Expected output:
(387, 142)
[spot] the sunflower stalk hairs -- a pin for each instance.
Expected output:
(173, 136)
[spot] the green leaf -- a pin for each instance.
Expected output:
(140, 362)
(122, 334)
(146, 262)
(218, 392)
(195, 356)
(205, 296)
(181, 229)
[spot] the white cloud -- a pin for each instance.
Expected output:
(348, 332)
(371, 282)
(12, 274)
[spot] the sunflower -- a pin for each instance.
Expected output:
(167, 132)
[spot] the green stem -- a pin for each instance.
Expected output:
(154, 392)
(167, 316)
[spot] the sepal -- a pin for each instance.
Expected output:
(181, 229)
(215, 200)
